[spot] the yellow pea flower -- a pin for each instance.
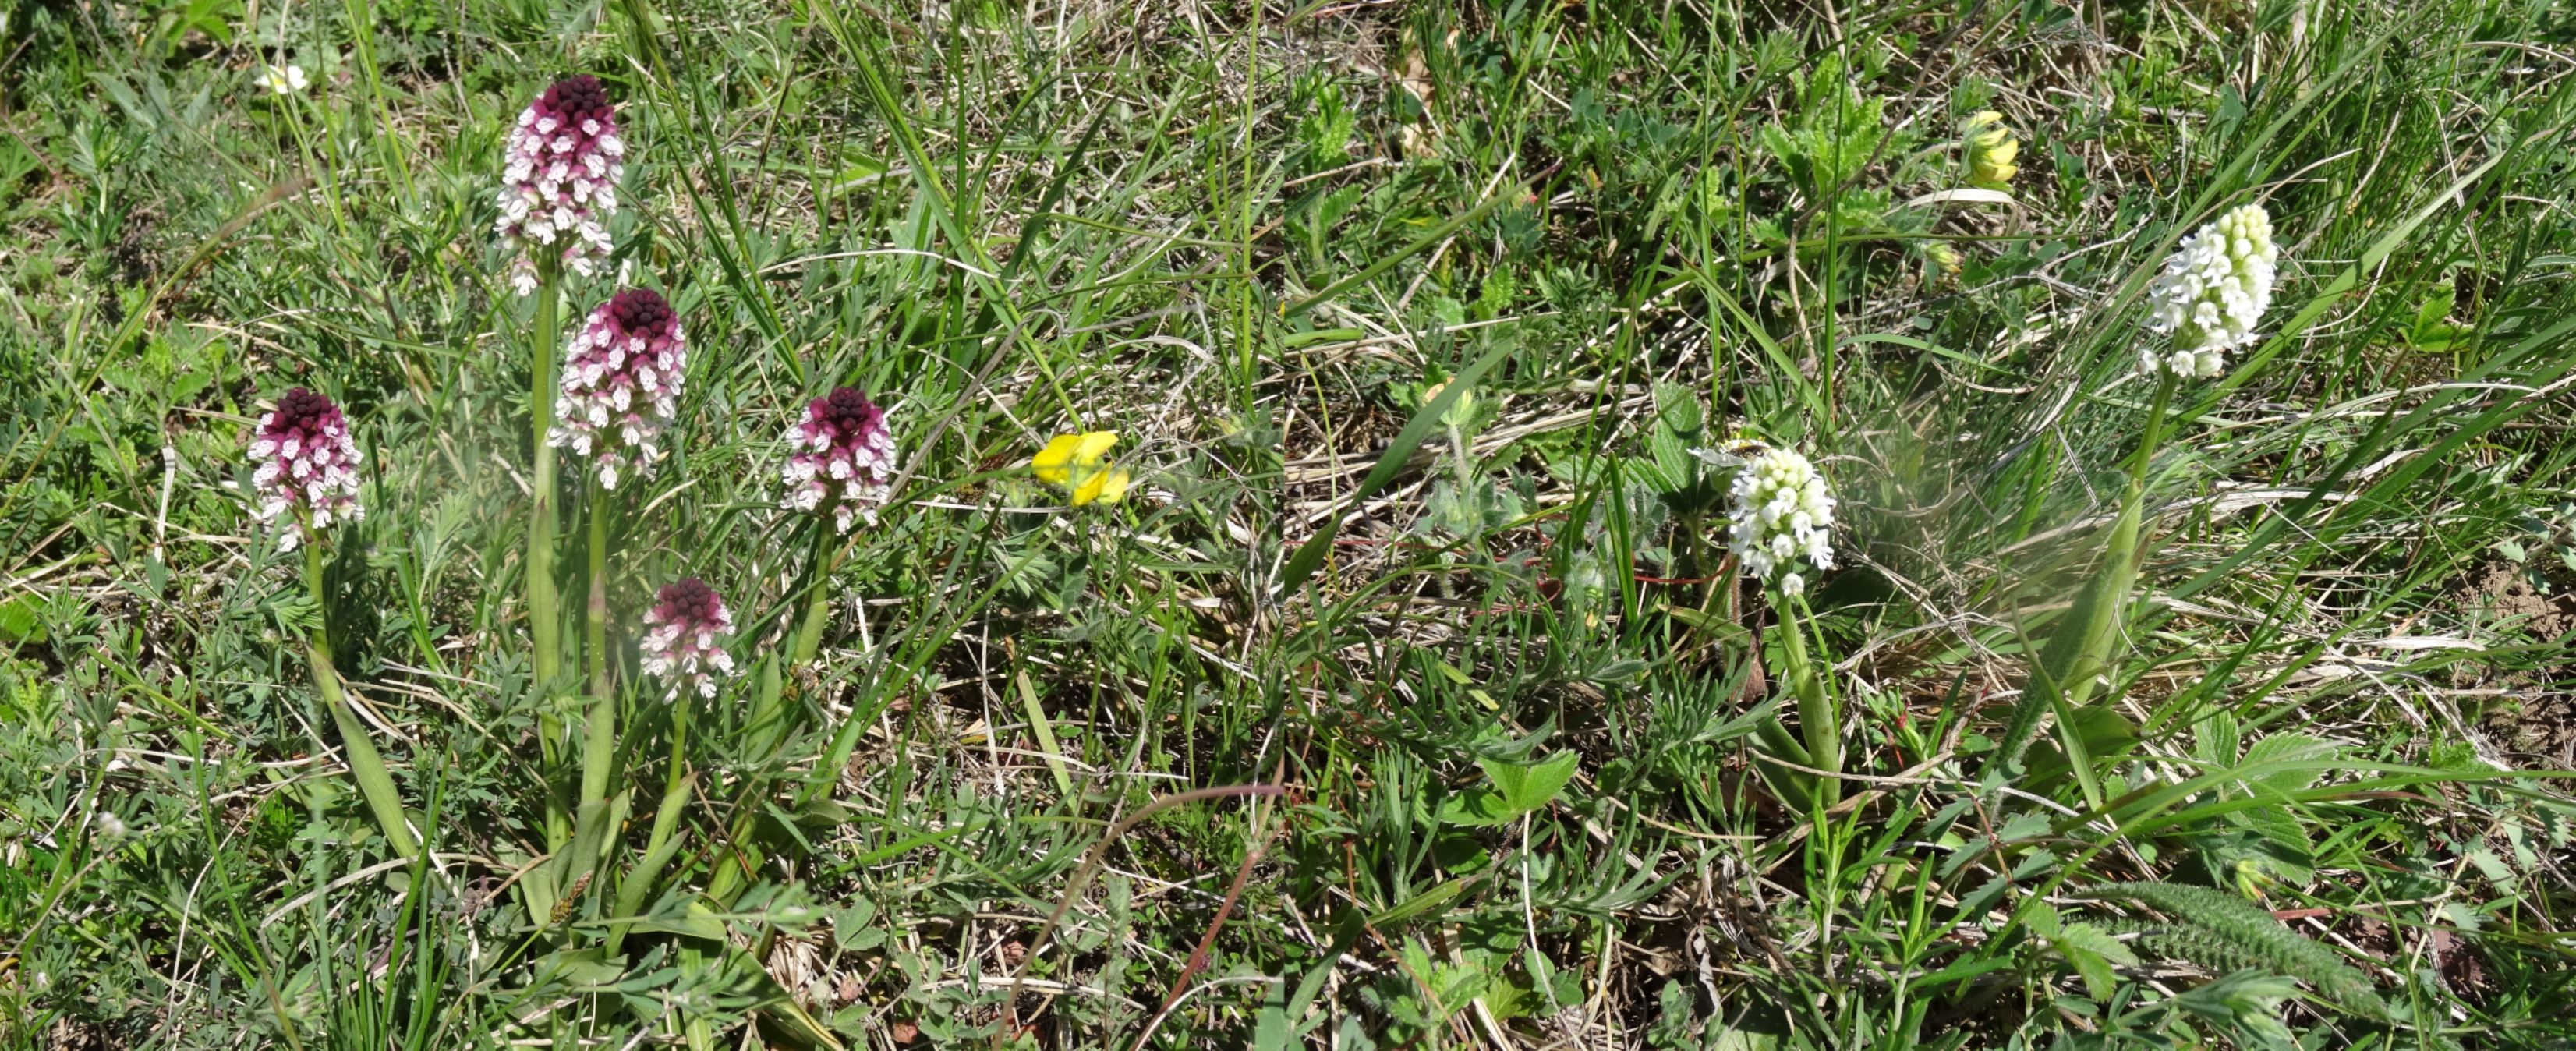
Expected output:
(1107, 485)
(1055, 463)
(1078, 462)
(1990, 148)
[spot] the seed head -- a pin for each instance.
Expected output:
(559, 185)
(2214, 288)
(1781, 512)
(680, 638)
(621, 384)
(306, 464)
(844, 459)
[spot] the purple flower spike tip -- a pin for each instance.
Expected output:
(307, 465)
(680, 638)
(844, 459)
(559, 185)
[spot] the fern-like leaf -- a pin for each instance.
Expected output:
(2224, 932)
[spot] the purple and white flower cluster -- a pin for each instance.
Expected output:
(621, 384)
(307, 464)
(844, 461)
(680, 638)
(560, 186)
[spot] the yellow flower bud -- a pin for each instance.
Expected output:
(1990, 150)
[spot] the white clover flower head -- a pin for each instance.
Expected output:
(844, 459)
(559, 183)
(306, 464)
(284, 80)
(1779, 513)
(680, 643)
(2212, 292)
(621, 384)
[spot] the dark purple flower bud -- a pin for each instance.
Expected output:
(560, 184)
(844, 459)
(307, 464)
(680, 638)
(621, 384)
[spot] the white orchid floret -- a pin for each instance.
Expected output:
(1780, 513)
(2214, 289)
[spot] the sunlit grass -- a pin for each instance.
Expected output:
(1391, 682)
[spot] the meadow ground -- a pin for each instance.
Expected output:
(1415, 694)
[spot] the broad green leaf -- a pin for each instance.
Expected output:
(1525, 788)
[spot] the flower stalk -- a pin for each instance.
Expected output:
(599, 742)
(545, 614)
(2211, 293)
(366, 765)
(1818, 718)
(1780, 520)
(306, 481)
(663, 842)
(2079, 652)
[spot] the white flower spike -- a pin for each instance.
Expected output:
(1781, 512)
(2214, 289)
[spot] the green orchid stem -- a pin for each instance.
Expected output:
(545, 618)
(599, 741)
(769, 710)
(375, 783)
(818, 599)
(1816, 714)
(2165, 381)
(545, 625)
(2079, 651)
(1461, 459)
(666, 823)
(768, 713)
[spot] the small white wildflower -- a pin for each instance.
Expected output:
(286, 80)
(1780, 512)
(2214, 289)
